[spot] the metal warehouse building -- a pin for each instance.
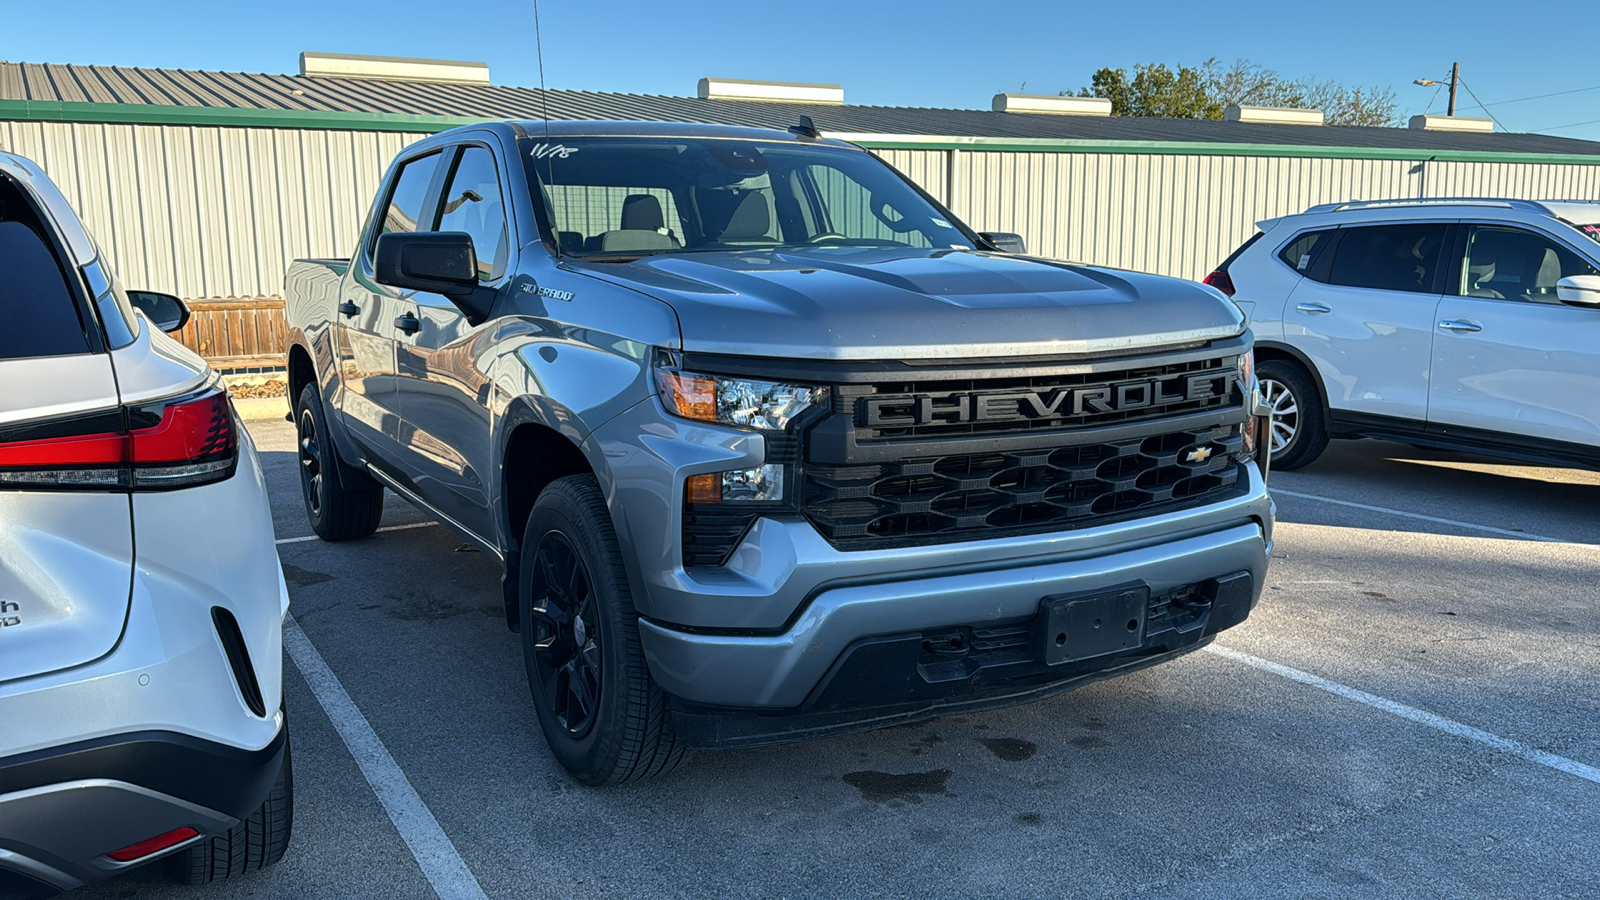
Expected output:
(207, 184)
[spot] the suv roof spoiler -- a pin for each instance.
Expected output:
(1533, 206)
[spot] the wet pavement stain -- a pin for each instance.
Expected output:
(303, 577)
(1010, 749)
(881, 787)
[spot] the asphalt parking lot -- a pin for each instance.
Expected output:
(1411, 711)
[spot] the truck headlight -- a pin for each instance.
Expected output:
(744, 402)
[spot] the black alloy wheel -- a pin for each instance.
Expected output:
(342, 503)
(310, 463)
(567, 647)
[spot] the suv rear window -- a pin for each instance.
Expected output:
(1301, 252)
(1401, 257)
(40, 313)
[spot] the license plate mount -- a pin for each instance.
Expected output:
(1077, 627)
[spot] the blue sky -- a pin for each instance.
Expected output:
(931, 53)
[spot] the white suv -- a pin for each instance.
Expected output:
(1466, 324)
(141, 601)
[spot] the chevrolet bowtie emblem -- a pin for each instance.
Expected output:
(1198, 455)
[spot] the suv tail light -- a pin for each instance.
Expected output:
(1221, 281)
(179, 442)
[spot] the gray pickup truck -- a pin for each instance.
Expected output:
(770, 445)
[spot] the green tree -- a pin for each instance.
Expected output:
(1204, 91)
(1155, 90)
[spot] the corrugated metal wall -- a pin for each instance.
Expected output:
(1182, 215)
(219, 212)
(211, 212)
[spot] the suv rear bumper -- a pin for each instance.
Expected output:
(790, 670)
(63, 809)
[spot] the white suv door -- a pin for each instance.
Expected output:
(1508, 356)
(1365, 317)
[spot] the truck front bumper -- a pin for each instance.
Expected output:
(862, 655)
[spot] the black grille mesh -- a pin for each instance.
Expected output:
(992, 494)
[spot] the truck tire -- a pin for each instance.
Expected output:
(337, 512)
(603, 716)
(252, 845)
(1299, 425)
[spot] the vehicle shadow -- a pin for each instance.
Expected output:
(1494, 493)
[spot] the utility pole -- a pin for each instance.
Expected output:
(1455, 79)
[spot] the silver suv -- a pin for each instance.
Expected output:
(1467, 324)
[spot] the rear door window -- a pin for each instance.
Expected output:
(1401, 257)
(40, 315)
(403, 210)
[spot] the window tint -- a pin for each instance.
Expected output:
(1512, 264)
(404, 208)
(472, 204)
(1389, 257)
(40, 313)
(1302, 251)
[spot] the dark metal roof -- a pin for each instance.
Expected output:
(293, 93)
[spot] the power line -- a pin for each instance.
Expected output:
(1536, 97)
(1481, 106)
(1573, 125)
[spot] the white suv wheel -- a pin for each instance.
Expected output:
(1285, 412)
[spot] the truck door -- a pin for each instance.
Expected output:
(365, 332)
(444, 393)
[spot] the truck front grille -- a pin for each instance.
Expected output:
(986, 495)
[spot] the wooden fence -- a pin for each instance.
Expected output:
(236, 334)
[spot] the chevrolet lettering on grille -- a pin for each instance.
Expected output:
(906, 410)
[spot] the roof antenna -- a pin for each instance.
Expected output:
(544, 99)
(805, 128)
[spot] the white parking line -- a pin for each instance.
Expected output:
(311, 537)
(1473, 526)
(441, 864)
(1440, 723)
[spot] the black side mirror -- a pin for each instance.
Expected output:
(1004, 241)
(164, 311)
(440, 262)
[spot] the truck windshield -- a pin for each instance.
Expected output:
(627, 197)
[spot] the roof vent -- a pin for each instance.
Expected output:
(1050, 104)
(1273, 115)
(392, 68)
(1451, 123)
(770, 91)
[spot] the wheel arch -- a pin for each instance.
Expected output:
(1275, 350)
(539, 441)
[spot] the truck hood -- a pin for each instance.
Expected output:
(850, 303)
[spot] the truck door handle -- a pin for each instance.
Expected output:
(1460, 326)
(1313, 309)
(348, 309)
(407, 323)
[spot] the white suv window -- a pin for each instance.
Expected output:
(1400, 257)
(1512, 264)
(1301, 252)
